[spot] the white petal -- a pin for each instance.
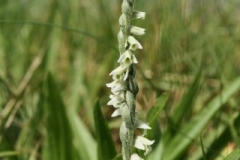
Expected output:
(137, 30)
(141, 124)
(116, 113)
(134, 59)
(120, 86)
(123, 20)
(114, 99)
(112, 84)
(144, 140)
(134, 44)
(120, 59)
(138, 144)
(111, 102)
(135, 157)
(118, 105)
(111, 96)
(118, 70)
(138, 15)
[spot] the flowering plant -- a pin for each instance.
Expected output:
(124, 87)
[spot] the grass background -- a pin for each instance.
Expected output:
(55, 57)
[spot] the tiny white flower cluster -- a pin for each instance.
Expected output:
(123, 94)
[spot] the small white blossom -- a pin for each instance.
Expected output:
(116, 99)
(119, 70)
(135, 157)
(112, 84)
(137, 30)
(140, 124)
(121, 86)
(122, 20)
(116, 79)
(138, 15)
(143, 144)
(127, 58)
(116, 113)
(134, 44)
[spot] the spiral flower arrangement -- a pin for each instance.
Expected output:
(124, 87)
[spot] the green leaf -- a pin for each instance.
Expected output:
(217, 139)
(29, 131)
(157, 108)
(152, 118)
(8, 154)
(7, 150)
(195, 126)
(85, 145)
(185, 105)
(106, 149)
(58, 144)
(235, 155)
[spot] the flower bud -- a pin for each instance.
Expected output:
(137, 30)
(138, 15)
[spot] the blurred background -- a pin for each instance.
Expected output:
(187, 44)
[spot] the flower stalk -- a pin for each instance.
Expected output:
(124, 87)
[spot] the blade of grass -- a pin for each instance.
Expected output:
(155, 110)
(58, 144)
(152, 118)
(29, 131)
(216, 140)
(7, 149)
(106, 148)
(84, 143)
(186, 103)
(192, 129)
(235, 155)
(8, 154)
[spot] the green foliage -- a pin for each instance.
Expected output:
(195, 126)
(234, 155)
(58, 143)
(104, 138)
(188, 71)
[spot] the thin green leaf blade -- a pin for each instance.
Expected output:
(106, 149)
(157, 108)
(84, 143)
(58, 144)
(152, 118)
(235, 155)
(192, 129)
(185, 105)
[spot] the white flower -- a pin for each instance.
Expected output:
(120, 86)
(135, 157)
(127, 58)
(134, 44)
(117, 84)
(116, 113)
(143, 144)
(116, 100)
(123, 20)
(138, 15)
(140, 124)
(119, 70)
(137, 30)
(112, 84)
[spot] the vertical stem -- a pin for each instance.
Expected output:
(128, 111)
